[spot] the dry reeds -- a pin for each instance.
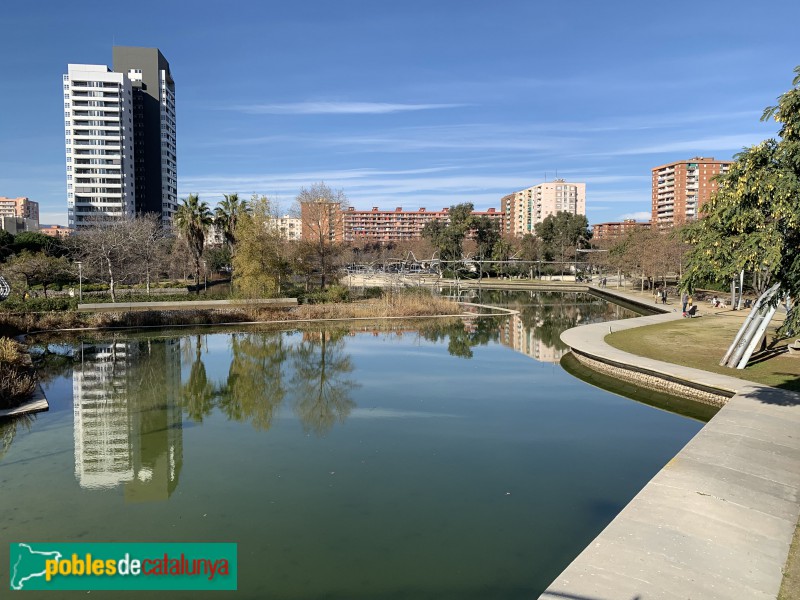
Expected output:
(17, 381)
(391, 305)
(404, 303)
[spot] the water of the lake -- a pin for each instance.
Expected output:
(453, 461)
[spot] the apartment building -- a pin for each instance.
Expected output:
(680, 189)
(21, 207)
(398, 225)
(524, 209)
(57, 231)
(120, 141)
(154, 129)
(288, 227)
(321, 220)
(613, 230)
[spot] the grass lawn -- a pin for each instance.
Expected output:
(702, 342)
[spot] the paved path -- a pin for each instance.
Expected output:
(717, 521)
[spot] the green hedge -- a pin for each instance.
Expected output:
(17, 304)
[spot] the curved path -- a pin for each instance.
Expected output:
(717, 521)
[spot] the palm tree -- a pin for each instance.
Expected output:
(227, 215)
(193, 218)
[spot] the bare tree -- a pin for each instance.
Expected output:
(149, 245)
(109, 250)
(321, 210)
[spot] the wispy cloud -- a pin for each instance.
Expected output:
(337, 108)
(723, 142)
(638, 216)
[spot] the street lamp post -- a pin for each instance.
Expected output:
(80, 281)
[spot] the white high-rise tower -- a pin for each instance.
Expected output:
(98, 128)
(121, 138)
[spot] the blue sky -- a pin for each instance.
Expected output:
(413, 103)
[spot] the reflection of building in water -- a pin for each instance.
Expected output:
(128, 424)
(514, 334)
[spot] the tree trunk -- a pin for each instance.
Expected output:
(111, 282)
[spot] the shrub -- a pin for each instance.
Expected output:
(335, 293)
(372, 292)
(17, 381)
(11, 352)
(16, 385)
(17, 304)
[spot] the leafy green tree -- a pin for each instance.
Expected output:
(6, 244)
(261, 263)
(752, 223)
(502, 250)
(487, 234)
(561, 234)
(448, 236)
(218, 258)
(37, 269)
(227, 215)
(529, 248)
(33, 241)
(193, 218)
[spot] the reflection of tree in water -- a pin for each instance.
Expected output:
(322, 390)
(8, 431)
(254, 388)
(462, 336)
(197, 395)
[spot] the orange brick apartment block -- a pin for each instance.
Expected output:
(394, 226)
(617, 229)
(351, 225)
(680, 189)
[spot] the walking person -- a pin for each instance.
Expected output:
(664, 295)
(684, 301)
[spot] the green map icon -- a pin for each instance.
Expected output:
(27, 563)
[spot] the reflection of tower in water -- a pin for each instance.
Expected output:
(515, 334)
(128, 424)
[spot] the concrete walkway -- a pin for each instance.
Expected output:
(717, 521)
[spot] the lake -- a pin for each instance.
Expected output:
(443, 460)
